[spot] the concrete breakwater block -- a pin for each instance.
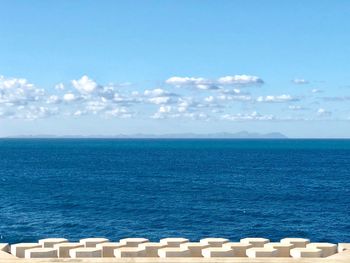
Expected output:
(297, 242)
(93, 241)
(85, 252)
(214, 252)
(133, 242)
(64, 248)
(18, 249)
(283, 250)
(302, 252)
(214, 241)
(151, 248)
(171, 252)
(328, 249)
(173, 241)
(261, 252)
(238, 248)
(129, 252)
(195, 248)
(50, 242)
(255, 241)
(40, 253)
(4, 247)
(109, 247)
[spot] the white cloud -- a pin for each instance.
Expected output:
(316, 91)
(59, 86)
(296, 107)
(206, 84)
(300, 81)
(279, 98)
(69, 97)
(85, 84)
(254, 116)
(323, 112)
(240, 80)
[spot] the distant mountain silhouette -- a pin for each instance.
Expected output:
(219, 135)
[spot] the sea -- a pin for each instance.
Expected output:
(157, 188)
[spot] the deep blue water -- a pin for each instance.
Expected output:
(160, 188)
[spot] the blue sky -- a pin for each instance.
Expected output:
(112, 67)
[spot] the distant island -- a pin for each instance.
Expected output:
(220, 135)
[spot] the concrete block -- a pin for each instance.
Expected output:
(18, 249)
(50, 242)
(328, 249)
(255, 241)
(283, 249)
(133, 242)
(85, 252)
(129, 252)
(93, 241)
(40, 253)
(239, 248)
(173, 241)
(4, 247)
(171, 252)
(343, 247)
(64, 248)
(195, 248)
(214, 241)
(108, 248)
(152, 248)
(261, 252)
(215, 252)
(297, 242)
(302, 252)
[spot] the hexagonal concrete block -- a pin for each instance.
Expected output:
(261, 252)
(214, 241)
(4, 247)
(215, 252)
(171, 252)
(296, 241)
(283, 249)
(255, 241)
(18, 249)
(306, 252)
(238, 248)
(195, 248)
(133, 242)
(41, 253)
(50, 242)
(108, 248)
(93, 241)
(64, 248)
(328, 249)
(129, 252)
(85, 252)
(152, 248)
(173, 241)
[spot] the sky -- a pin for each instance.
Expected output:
(158, 67)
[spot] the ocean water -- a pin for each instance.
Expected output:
(78, 188)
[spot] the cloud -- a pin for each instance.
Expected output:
(316, 91)
(296, 107)
(300, 81)
(69, 97)
(240, 80)
(323, 112)
(279, 98)
(85, 84)
(206, 84)
(254, 116)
